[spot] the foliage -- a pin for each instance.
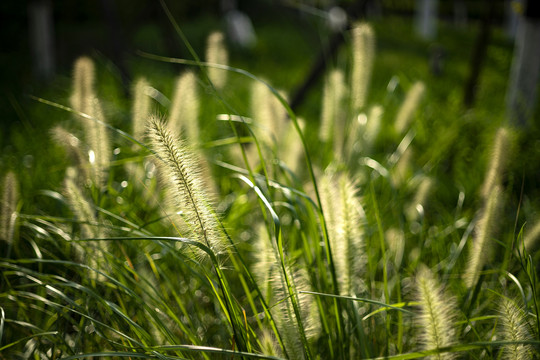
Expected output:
(258, 240)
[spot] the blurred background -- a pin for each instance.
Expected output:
(462, 50)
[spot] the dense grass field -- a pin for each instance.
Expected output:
(200, 217)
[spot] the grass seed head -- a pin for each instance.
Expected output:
(498, 161)
(141, 107)
(363, 53)
(480, 253)
(8, 215)
(184, 111)
(83, 83)
(216, 53)
(437, 314)
(514, 327)
(184, 179)
(409, 106)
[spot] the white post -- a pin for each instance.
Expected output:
(41, 37)
(512, 8)
(524, 75)
(426, 18)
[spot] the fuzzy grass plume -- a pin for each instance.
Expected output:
(497, 164)
(181, 169)
(269, 115)
(409, 106)
(272, 279)
(84, 74)
(514, 327)
(346, 218)
(141, 107)
(437, 314)
(184, 111)
(532, 237)
(84, 99)
(332, 120)
(479, 253)
(363, 54)
(8, 216)
(216, 53)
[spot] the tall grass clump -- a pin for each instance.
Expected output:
(262, 236)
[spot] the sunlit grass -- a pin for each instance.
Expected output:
(222, 246)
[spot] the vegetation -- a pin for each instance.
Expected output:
(208, 221)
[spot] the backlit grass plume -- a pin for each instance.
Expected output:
(184, 111)
(84, 100)
(437, 314)
(531, 237)
(140, 108)
(8, 216)
(514, 327)
(332, 114)
(216, 53)
(479, 252)
(345, 220)
(181, 169)
(363, 53)
(269, 115)
(409, 106)
(83, 83)
(272, 279)
(497, 164)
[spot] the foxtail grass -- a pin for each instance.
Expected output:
(532, 238)
(332, 114)
(438, 313)
(140, 108)
(184, 111)
(8, 215)
(481, 250)
(189, 194)
(409, 107)
(216, 53)
(268, 114)
(514, 327)
(84, 74)
(346, 218)
(363, 54)
(84, 99)
(500, 154)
